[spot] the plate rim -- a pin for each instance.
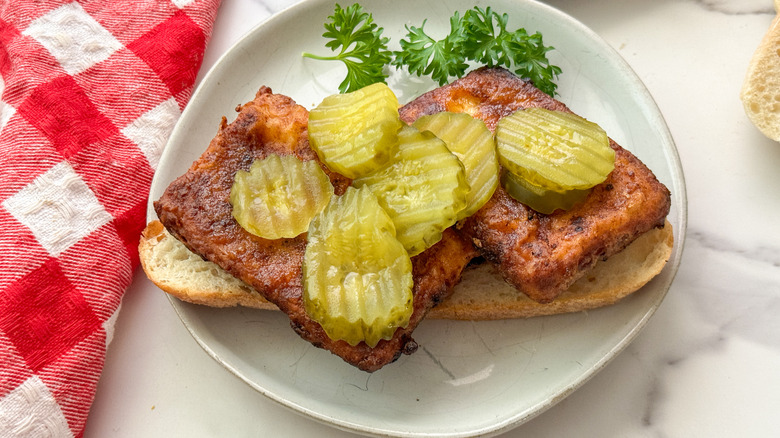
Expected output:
(518, 417)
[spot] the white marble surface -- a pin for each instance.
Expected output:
(707, 364)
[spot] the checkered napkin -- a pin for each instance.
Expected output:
(91, 90)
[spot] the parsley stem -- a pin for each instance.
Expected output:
(321, 58)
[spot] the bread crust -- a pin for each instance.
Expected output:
(481, 295)
(172, 267)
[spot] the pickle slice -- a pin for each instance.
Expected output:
(539, 198)
(279, 196)
(470, 140)
(423, 189)
(357, 277)
(554, 150)
(356, 133)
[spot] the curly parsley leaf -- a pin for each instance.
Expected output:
(440, 59)
(488, 41)
(531, 62)
(360, 45)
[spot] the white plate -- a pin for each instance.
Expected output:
(467, 378)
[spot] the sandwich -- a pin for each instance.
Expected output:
(503, 261)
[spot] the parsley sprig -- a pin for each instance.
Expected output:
(480, 36)
(361, 47)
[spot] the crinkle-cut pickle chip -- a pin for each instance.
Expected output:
(356, 133)
(423, 189)
(539, 198)
(553, 149)
(279, 196)
(357, 276)
(471, 141)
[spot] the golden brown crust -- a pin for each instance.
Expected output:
(542, 255)
(195, 208)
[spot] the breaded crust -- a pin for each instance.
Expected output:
(195, 208)
(542, 255)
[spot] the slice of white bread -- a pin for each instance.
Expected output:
(761, 88)
(481, 295)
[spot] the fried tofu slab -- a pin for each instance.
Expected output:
(195, 208)
(542, 255)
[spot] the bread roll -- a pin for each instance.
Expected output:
(481, 295)
(761, 89)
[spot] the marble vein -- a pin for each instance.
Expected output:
(743, 7)
(768, 254)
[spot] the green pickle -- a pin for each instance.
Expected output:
(357, 276)
(470, 140)
(356, 133)
(554, 150)
(539, 198)
(423, 189)
(279, 195)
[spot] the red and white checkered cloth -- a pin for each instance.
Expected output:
(91, 90)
